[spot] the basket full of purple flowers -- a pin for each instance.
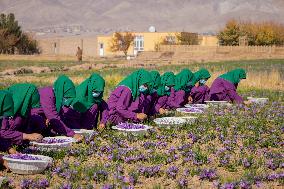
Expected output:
(199, 106)
(218, 103)
(167, 122)
(54, 143)
(27, 163)
(257, 100)
(132, 127)
(190, 110)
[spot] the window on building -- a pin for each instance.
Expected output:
(139, 43)
(171, 39)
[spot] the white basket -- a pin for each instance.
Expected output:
(202, 106)
(54, 146)
(167, 122)
(133, 131)
(20, 166)
(190, 119)
(218, 103)
(86, 133)
(258, 100)
(194, 110)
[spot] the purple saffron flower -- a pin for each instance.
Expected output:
(43, 183)
(228, 186)
(244, 185)
(172, 172)
(208, 174)
(23, 157)
(246, 163)
(130, 126)
(182, 183)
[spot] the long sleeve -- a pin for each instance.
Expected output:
(199, 94)
(9, 136)
(160, 103)
(103, 112)
(176, 99)
(47, 102)
(71, 117)
(231, 91)
(119, 103)
(123, 103)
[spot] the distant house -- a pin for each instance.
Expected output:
(143, 41)
(99, 46)
(208, 40)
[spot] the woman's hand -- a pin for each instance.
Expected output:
(12, 151)
(141, 116)
(162, 111)
(190, 100)
(247, 102)
(78, 137)
(32, 137)
(101, 127)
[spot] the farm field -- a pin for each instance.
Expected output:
(233, 147)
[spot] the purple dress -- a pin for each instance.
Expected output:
(48, 111)
(87, 120)
(200, 94)
(155, 103)
(122, 107)
(177, 99)
(222, 89)
(9, 136)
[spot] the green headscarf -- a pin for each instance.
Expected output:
(202, 74)
(183, 79)
(63, 88)
(84, 97)
(6, 104)
(25, 96)
(156, 77)
(234, 76)
(167, 79)
(136, 79)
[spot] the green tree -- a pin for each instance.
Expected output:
(230, 34)
(187, 38)
(256, 33)
(12, 39)
(121, 42)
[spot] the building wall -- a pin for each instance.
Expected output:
(68, 46)
(150, 42)
(91, 45)
(208, 40)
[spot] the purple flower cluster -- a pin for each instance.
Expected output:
(23, 157)
(244, 185)
(54, 140)
(135, 158)
(246, 163)
(275, 176)
(228, 186)
(193, 110)
(130, 126)
(100, 175)
(271, 164)
(208, 174)
(182, 183)
(39, 184)
(150, 171)
(172, 172)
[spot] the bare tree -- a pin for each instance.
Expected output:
(121, 42)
